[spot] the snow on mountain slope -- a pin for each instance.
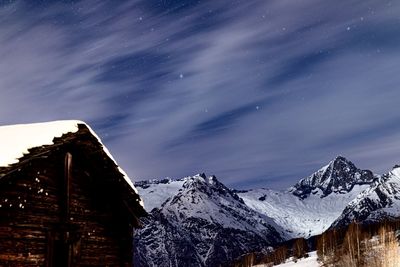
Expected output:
(381, 200)
(204, 224)
(300, 217)
(156, 192)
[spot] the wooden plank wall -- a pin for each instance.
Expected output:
(31, 201)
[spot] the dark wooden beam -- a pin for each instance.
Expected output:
(67, 213)
(67, 186)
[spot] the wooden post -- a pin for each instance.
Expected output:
(66, 208)
(67, 186)
(59, 247)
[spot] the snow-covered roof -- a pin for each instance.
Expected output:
(15, 140)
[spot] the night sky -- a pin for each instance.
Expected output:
(259, 93)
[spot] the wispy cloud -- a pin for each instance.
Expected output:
(251, 91)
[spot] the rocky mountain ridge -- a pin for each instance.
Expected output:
(380, 201)
(339, 176)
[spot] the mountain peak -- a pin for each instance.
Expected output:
(341, 158)
(339, 176)
(202, 175)
(202, 183)
(397, 166)
(200, 178)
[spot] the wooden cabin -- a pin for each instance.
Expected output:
(65, 202)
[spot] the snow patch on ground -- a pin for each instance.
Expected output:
(311, 261)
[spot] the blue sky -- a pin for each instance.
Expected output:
(259, 93)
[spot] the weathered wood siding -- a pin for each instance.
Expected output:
(32, 213)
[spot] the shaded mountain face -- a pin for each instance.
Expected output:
(339, 176)
(203, 224)
(380, 201)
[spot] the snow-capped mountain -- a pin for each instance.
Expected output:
(203, 224)
(381, 200)
(197, 221)
(315, 202)
(339, 176)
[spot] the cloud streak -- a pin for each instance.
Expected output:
(259, 93)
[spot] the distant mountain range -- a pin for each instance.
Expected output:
(198, 221)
